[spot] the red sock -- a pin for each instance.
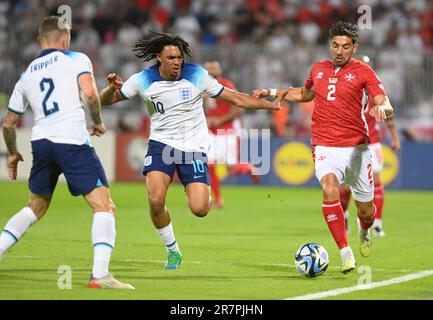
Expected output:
(379, 198)
(345, 195)
(241, 168)
(245, 168)
(334, 217)
(215, 183)
(365, 224)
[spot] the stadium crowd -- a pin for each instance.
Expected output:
(260, 43)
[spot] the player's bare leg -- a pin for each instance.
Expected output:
(366, 213)
(19, 224)
(215, 185)
(103, 239)
(334, 217)
(198, 197)
(157, 185)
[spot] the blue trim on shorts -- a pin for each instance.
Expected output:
(80, 165)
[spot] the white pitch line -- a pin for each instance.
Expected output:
(368, 286)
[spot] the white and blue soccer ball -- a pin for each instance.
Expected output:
(311, 260)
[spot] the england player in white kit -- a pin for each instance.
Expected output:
(173, 91)
(52, 85)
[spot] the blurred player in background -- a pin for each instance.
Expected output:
(339, 133)
(224, 124)
(376, 150)
(60, 142)
(173, 91)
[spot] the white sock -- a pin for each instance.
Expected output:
(167, 236)
(103, 238)
(346, 252)
(16, 227)
(377, 223)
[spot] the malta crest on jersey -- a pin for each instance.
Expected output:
(349, 77)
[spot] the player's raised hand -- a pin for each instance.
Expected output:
(114, 80)
(277, 103)
(98, 129)
(395, 144)
(13, 160)
(260, 93)
(378, 112)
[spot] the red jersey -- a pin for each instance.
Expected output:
(217, 107)
(337, 117)
(373, 126)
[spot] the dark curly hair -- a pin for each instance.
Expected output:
(342, 28)
(147, 49)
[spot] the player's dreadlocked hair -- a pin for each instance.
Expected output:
(147, 49)
(342, 28)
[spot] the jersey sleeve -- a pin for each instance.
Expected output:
(18, 101)
(130, 87)
(81, 62)
(309, 82)
(372, 83)
(207, 83)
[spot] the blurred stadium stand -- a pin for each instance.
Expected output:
(260, 43)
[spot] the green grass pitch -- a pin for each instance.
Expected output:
(244, 251)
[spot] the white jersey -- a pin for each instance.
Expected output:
(176, 107)
(50, 86)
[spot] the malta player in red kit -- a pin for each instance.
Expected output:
(224, 125)
(376, 150)
(340, 135)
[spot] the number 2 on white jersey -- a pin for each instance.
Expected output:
(331, 89)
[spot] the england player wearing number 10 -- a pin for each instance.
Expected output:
(173, 91)
(340, 133)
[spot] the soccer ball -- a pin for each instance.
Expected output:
(311, 260)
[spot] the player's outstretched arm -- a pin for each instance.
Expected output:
(90, 96)
(9, 134)
(111, 93)
(395, 139)
(382, 108)
(300, 94)
(242, 100)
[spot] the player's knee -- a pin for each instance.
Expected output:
(199, 210)
(331, 191)
(156, 203)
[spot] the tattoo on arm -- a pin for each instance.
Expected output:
(9, 132)
(94, 107)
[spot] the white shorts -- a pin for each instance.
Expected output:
(223, 149)
(376, 150)
(352, 165)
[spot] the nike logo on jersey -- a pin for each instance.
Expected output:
(196, 177)
(154, 97)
